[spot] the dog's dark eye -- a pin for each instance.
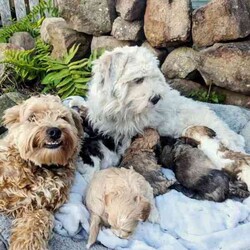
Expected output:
(32, 118)
(139, 80)
(64, 118)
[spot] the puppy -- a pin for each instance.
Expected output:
(37, 164)
(141, 155)
(98, 151)
(198, 176)
(236, 164)
(119, 198)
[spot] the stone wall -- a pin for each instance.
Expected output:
(209, 46)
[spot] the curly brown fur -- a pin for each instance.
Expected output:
(37, 163)
(141, 155)
(198, 175)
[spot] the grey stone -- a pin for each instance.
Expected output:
(131, 10)
(9, 100)
(227, 65)
(167, 23)
(23, 39)
(46, 22)
(180, 63)
(221, 20)
(62, 37)
(127, 31)
(93, 17)
(107, 43)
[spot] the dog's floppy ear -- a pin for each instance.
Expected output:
(78, 122)
(11, 116)
(108, 198)
(109, 67)
(144, 207)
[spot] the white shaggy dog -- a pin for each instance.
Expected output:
(128, 92)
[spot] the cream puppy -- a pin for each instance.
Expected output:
(119, 198)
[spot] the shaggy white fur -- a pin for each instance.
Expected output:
(124, 98)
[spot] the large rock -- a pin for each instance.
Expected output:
(159, 53)
(107, 43)
(227, 65)
(7, 101)
(93, 17)
(23, 39)
(62, 37)
(167, 22)
(131, 10)
(180, 63)
(221, 20)
(46, 22)
(127, 31)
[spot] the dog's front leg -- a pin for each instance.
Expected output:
(95, 221)
(32, 230)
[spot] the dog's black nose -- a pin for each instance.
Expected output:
(155, 99)
(54, 133)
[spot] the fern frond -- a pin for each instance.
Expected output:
(70, 77)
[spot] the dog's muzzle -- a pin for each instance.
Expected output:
(54, 135)
(155, 99)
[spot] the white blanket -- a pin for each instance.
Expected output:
(185, 223)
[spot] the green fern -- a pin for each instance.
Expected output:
(29, 23)
(69, 77)
(29, 64)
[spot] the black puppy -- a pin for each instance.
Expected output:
(197, 176)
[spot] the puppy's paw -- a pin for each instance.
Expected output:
(154, 216)
(71, 218)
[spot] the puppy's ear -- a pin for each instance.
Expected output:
(78, 122)
(211, 133)
(108, 198)
(144, 207)
(11, 116)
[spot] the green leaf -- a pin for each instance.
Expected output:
(65, 88)
(64, 82)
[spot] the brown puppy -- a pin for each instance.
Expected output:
(141, 155)
(236, 164)
(119, 198)
(37, 163)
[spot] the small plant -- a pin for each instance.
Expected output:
(30, 23)
(69, 77)
(28, 64)
(205, 96)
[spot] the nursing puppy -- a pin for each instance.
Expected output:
(198, 176)
(141, 155)
(119, 198)
(236, 164)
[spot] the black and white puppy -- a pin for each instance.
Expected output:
(98, 151)
(198, 177)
